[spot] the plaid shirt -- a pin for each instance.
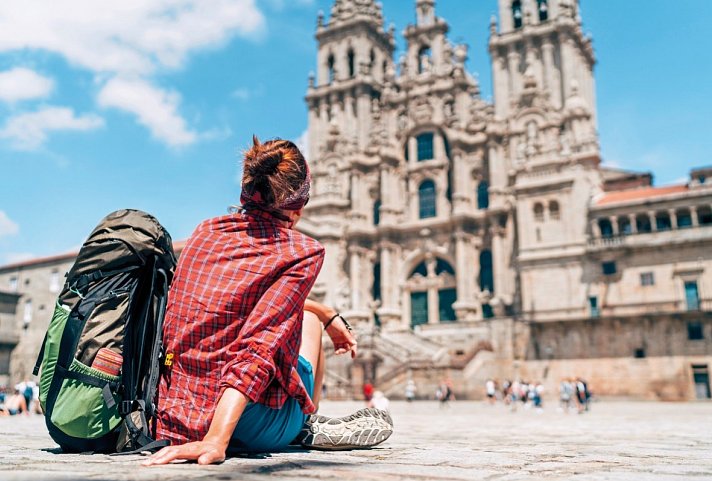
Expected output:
(234, 319)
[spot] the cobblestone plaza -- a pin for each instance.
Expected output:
(465, 441)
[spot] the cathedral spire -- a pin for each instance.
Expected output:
(346, 10)
(425, 12)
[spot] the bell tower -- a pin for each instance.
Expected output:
(354, 54)
(540, 43)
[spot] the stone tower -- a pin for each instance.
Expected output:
(544, 152)
(355, 56)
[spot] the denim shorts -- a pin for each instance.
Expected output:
(263, 429)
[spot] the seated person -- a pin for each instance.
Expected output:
(244, 361)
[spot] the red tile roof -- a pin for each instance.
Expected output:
(177, 247)
(639, 194)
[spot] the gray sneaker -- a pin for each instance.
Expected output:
(363, 429)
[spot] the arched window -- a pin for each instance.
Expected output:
(442, 266)
(426, 199)
(377, 212)
(662, 221)
(425, 146)
(543, 10)
(554, 211)
(642, 223)
(424, 59)
(330, 69)
(538, 212)
(517, 13)
(352, 63)
(376, 292)
(624, 226)
(421, 269)
(606, 228)
(684, 218)
(482, 195)
(371, 60)
(486, 274)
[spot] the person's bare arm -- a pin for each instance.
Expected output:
(213, 446)
(343, 339)
(322, 311)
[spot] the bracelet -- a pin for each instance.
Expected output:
(346, 324)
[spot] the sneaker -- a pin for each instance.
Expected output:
(363, 429)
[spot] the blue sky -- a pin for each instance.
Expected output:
(146, 104)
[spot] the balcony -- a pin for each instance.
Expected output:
(652, 239)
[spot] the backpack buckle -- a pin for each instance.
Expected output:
(125, 407)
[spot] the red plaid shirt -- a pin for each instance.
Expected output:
(234, 319)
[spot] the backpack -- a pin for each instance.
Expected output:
(100, 358)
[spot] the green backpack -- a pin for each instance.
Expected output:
(110, 311)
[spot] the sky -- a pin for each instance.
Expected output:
(148, 104)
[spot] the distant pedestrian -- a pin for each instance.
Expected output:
(491, 389)
(367, 391)
(566, 392)
(379, 401)
(410, 389)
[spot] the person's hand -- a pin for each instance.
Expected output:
(205, 452)
(343, 339)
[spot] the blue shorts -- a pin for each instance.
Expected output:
(263, 429)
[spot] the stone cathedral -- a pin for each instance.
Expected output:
(468, 239)
(455, 227)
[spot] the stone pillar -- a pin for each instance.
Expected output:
(614, 225)
(500, 86)
(673, 218)
(693, 215)
(595, 229)
(499, 262)
(653, 223)
(433, 298)
(355, 277)
(513, 58)
(633, 224)
(548, 58)
(466, 306)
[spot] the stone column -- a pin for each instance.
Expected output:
(513, 58)
(433, 299)
(355, 277)
(595, 229)
(614, 225)
(499, 262)
(673, 218)
(693, 215)
(633, 224)
(653, 223)
(466, 306)
(548, 58)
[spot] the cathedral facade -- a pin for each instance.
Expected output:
(468, 239)
(492, 229)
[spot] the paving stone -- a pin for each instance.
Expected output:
(467, 441)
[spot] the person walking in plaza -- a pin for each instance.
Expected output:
(246, 361)
(491, 390)
(410, 389)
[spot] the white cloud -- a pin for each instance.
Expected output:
(7, 226)
(23, 84)
(156, 109)
(125, 36)
(29, 130)
(130, 39)
(246, 93)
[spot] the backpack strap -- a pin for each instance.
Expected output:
(151, 447)
(40, 357)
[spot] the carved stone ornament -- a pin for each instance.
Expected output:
(421, 110)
